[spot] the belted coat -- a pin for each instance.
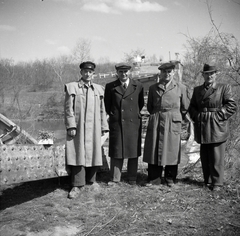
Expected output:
(167, 107)
(210, 110)
(125, 121)
(85, 111)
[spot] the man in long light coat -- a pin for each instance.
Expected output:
(85, 121)
(167, 104)
(124, 100)
(211, 106)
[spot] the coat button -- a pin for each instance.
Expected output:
(122, 110)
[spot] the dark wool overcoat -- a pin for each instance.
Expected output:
(167, 107)
(85, 111)
(125, 122)
(210, 110)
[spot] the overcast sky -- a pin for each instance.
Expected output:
(36, 29)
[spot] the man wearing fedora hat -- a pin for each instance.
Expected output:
(124, 100)
(167, 104)
(85, 121)
(211, 106)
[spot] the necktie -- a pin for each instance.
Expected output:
(125, 86)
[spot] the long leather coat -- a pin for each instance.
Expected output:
(210, 110)
(167, 107)
(84, 111)
(125, 122)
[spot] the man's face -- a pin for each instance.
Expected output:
(209, 77)
(166, 75)
(87, 74)
(123, 74)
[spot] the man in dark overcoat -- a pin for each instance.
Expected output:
(211, 106)
(124, 99)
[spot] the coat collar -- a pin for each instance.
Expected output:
(130, 89)
(171, 85)
(82, 84)
(206, 93)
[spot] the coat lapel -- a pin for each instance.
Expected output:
(205, 94)
(171, 86)
(161, 89)
(130, 89)
(118, 87)
(208, 93)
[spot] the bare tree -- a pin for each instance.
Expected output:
(153, 59)
(58, 65)
(130, 57)
(210, 49)
(81, 51)
(230, 47)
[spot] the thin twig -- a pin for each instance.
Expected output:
(109, 221)
(92, 229)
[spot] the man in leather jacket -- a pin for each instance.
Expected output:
(211, 106)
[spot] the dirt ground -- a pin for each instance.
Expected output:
(41, 208)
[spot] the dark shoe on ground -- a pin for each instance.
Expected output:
(154, 182)
(170, 183)
(75, 191)
(132, 182)
(207, 187)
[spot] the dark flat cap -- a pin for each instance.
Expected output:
(122, 66)
(87, 65)
(207, 68)
(167, 65)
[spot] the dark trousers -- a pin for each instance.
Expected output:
(80, 175)
(116, 169)
(155, 171)
(212, 159)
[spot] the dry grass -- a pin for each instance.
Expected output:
(42, 208)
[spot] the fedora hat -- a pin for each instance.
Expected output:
(167, 65)
(208, 68)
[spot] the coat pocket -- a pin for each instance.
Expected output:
(176, 124)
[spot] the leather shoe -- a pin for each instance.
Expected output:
(154, 182)
(132, 182)
(75, 191)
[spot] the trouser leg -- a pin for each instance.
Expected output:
(78, 176)
(116, 169)
(205, 156)
(132, 168)
(170, 173)
(217, 163)
(154, 172)
(91, 173)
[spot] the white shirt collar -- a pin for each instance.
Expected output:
(126, 82)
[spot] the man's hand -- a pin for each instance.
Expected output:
(72, 132)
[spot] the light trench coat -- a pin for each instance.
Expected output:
(167, 107)
(85, 111)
